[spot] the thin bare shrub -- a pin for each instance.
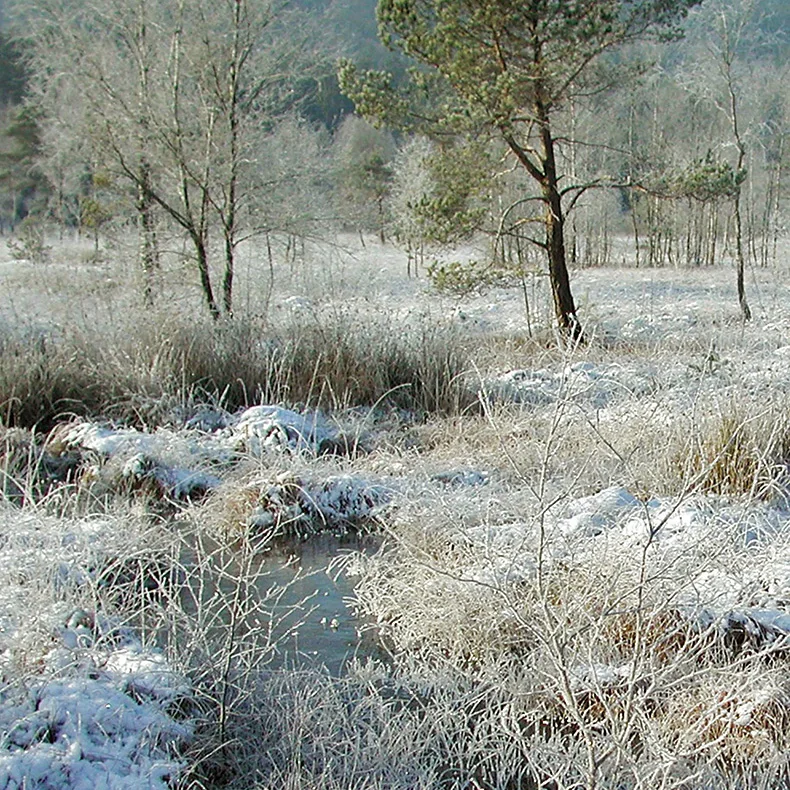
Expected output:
(222, 626)
(620, 659)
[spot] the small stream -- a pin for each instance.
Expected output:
(296, 599)
(326, 632)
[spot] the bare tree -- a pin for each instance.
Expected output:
(176, 98)
(731, 22)
(729, 34)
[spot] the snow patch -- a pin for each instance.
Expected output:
(84, 704)
(582, 382)
(263, 429)
(291, 505)
(181, 464)
(85, 732)
(725, 566)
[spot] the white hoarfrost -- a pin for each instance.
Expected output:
(302, 505)
(187, 462)
(261, 429)
(88, 727)
(583, 382)
(722, 564)
(83, 703)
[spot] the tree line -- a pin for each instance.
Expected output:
(552, 128)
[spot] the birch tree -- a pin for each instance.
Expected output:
(731, 25)
(176, 96)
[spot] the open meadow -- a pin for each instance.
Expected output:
(366, 535)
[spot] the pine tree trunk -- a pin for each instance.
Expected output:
(564, 306)
(744, 305)
(546, 175)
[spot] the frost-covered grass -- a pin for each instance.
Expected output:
(150, 364)
(637, 642)
(130, 649)
(583, 572)
(83, 702)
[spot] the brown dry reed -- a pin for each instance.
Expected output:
(138, 373)
(737, 454)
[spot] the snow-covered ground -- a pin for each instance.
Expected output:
(83, 704)
(587, 474)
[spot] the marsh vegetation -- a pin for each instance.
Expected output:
(448, 454)
(575, 566)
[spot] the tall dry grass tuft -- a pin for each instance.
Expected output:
(738, 453)
(139, 371)
(345, 361)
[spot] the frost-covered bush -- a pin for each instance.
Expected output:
(615, 619)
(30, 243)
(288, 505)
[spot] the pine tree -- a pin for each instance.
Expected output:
(507, 67)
